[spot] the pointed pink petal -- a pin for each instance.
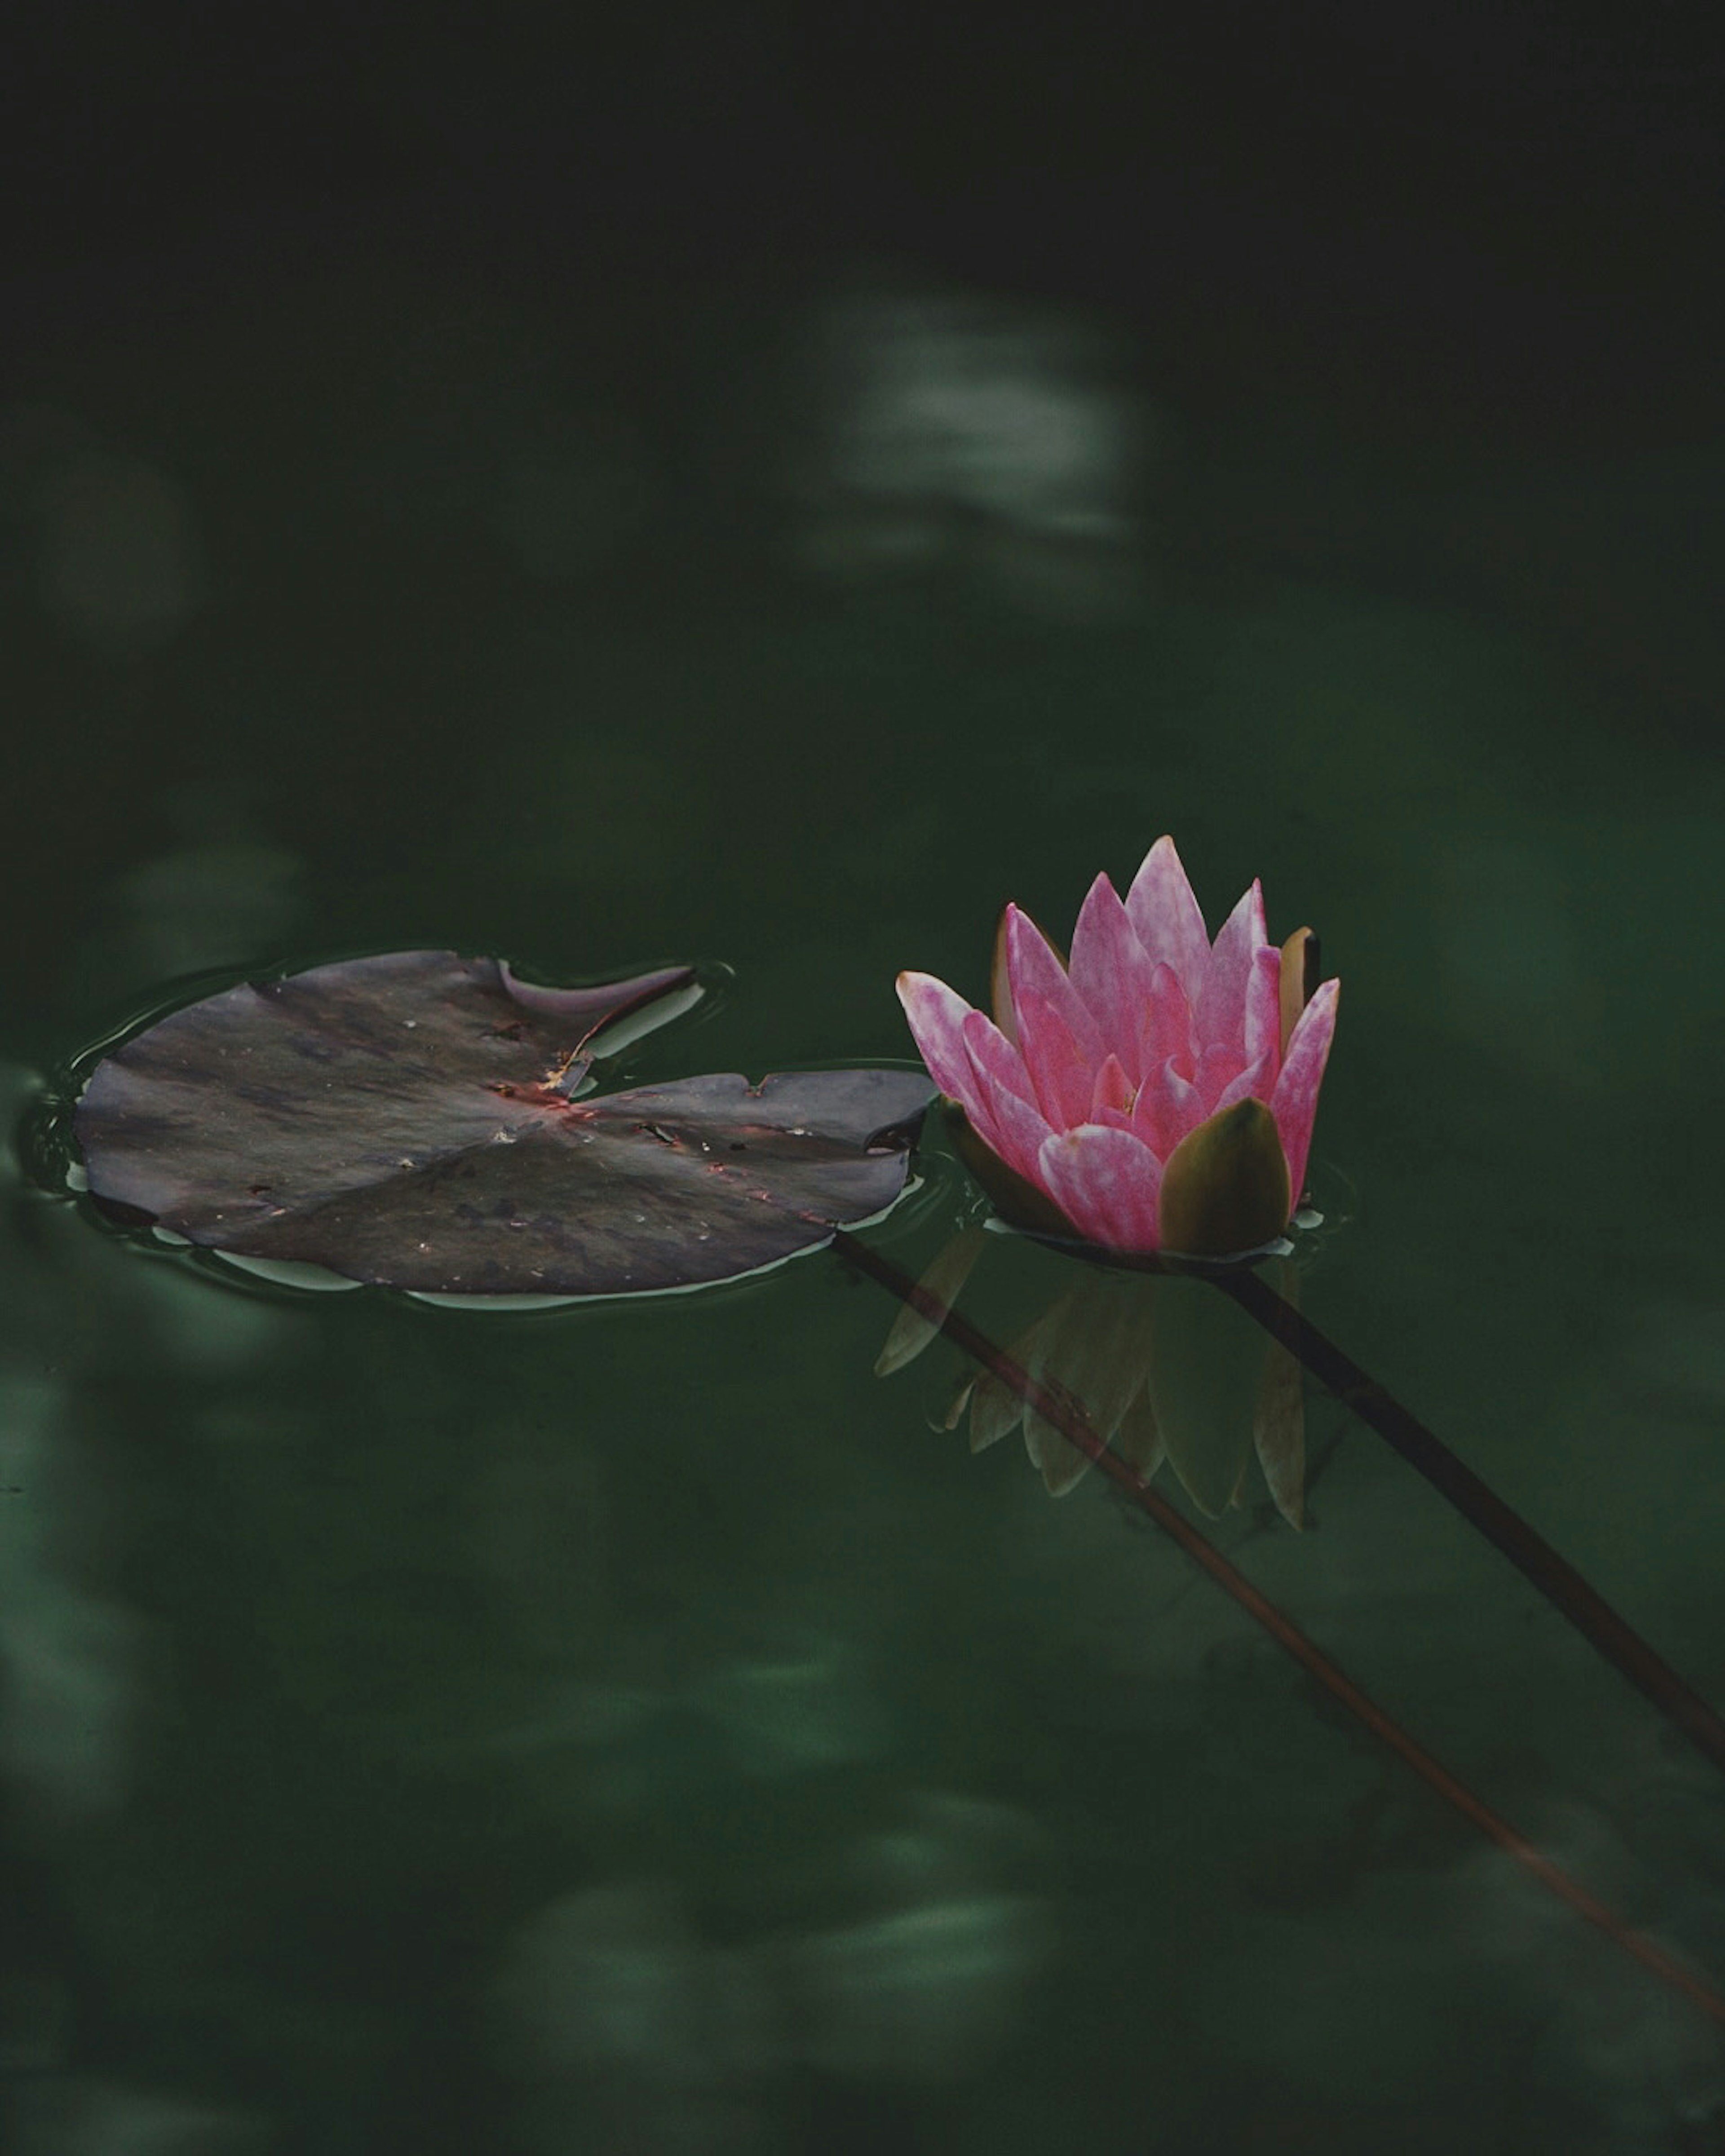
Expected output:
(1263, 1006)
(996, 1063)
(1113, 1089)
(1162, 910)
(936, 1015)
(1164, 1024)
(1218, 1067)
(1111, 1097)
(1022, 1131)
(1220, 1006)
(1106, 1183)
(1112, 973)
(1033, 969)
(1060, 1073)
(1166, 1107)
(1294, 1103)
(1017, 1128)
(1255, 1082)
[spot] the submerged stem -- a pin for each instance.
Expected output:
(1528, 1550)
(1321, 1357)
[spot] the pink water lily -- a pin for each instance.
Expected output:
(1159, 1090)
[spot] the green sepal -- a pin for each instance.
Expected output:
(1225, 1190)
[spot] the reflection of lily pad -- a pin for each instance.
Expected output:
(412, 1121)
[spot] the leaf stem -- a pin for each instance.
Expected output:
(1063, 1415)
(1528, 1550)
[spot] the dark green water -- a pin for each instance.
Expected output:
(639, 1728)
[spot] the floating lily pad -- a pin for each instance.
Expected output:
(417, 1121)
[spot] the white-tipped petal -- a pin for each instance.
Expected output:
(1162, 909)
(1106, 1183)
(1222, 1003)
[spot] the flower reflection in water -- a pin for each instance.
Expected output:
(1161, 1367)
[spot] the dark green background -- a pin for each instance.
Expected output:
(435, 509)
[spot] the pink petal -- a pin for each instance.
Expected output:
(1112, 972)
(1113, 1089)
(1220, 1007)
(1218, 1067)
(997, 1075)
(1263, 1006)
(1034, 968)
(1062, 1073)
(1017, 1127)
(1022, 1131)
(1106, 1183)
(936, 1015)
(1169, 924)
(1166, 1107)
(937, 1018)
(996, 1064)
(1255, 1082)
(1294, 1103)
(1164, 1024)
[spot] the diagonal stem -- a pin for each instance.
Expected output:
(1556, 1578)
(1064, 1417)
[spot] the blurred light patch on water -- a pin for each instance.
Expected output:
(617, 2013)
(954, 430)
(621, 2027)
(84, 2115)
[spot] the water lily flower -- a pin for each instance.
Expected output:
(1156, 1092)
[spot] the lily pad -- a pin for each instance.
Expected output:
(417, 1121)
